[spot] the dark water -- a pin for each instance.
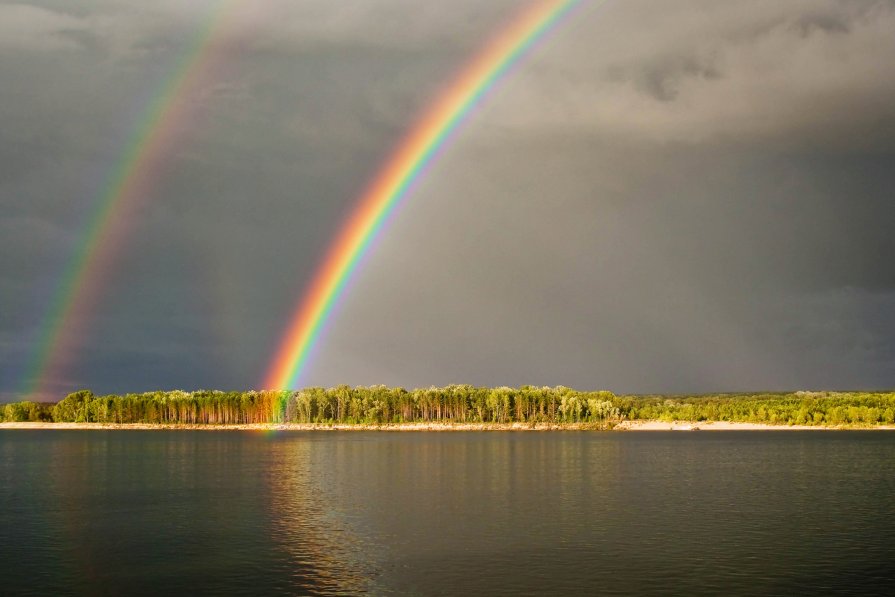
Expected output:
(155, 512)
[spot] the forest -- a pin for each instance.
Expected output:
(377, 405)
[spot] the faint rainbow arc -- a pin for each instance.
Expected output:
(392, 183)
(158, 124)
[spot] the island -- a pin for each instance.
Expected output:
(454, 407)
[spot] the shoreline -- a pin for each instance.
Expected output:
(641, 425)
(637, 425)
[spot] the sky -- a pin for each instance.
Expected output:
(686, 196)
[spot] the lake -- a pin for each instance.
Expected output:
(209, 512)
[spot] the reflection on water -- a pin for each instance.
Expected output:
(310, 524)
(490, 513)
(429, 513)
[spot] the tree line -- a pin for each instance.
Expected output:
(376, 405)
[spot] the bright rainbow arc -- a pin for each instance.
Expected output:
(126, 185)
(393, 182)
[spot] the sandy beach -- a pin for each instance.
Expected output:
(734, 426)
(623, 426)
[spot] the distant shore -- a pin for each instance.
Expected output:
(638, 425)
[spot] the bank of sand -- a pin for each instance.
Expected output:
(623, 426)
(733, 426)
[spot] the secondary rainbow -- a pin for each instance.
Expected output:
(80, 286)
(393, 182)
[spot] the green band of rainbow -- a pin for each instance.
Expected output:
(80, 286)
(414, 153)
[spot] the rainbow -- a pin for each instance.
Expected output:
(394, 181)
(79, 289)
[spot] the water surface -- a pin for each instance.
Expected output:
(150, 512)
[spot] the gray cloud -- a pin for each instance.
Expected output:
(795, 72)
(28, 28)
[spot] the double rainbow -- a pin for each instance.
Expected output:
(81, 286)
(393, 182)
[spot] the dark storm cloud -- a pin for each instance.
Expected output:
(291, 128)
(691, 198)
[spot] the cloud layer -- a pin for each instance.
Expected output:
(695, 198)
